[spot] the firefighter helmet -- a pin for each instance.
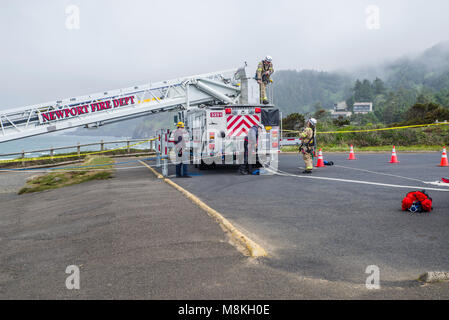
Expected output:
(180, 124)
(312, 121)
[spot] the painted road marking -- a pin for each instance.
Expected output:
(439, 183)
(281, 173)
(381, 173)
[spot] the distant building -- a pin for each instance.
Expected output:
(340, 109)
(363, 107)
(341, 106)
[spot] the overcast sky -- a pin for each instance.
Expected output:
(125, 43)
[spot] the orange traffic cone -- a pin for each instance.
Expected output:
(320, 162)
(352, 154)
(444, 162)
(394, 157)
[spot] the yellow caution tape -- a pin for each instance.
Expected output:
(72, 155)
(381, 129)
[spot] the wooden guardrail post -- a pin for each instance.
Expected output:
(78, 150)
(23, 157)
(102, 145)
(127, 146)
(51, 152)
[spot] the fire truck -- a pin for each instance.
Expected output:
(217, 133)
(217, 130)
(218, 109)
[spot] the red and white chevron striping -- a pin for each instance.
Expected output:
(238, 125)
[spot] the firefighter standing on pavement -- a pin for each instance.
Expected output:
(250, 149)
(264, 71)
(308, 144)
(182, 157)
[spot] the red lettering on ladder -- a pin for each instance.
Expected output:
(80, 110)
(59, 114)
(45, 117)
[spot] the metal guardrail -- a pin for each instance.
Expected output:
(78, 146)
(290, 141)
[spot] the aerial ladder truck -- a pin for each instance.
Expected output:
(217, 108)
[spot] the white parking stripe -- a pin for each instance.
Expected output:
(381, 173)
(357, 181)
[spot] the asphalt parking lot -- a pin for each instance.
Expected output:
(136, 237)
(334, 229)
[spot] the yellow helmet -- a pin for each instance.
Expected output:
(180, 124)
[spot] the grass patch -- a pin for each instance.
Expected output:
(345, 148)
(93, 168)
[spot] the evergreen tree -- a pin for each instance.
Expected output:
(293, 121)
(350, 103)
(378, 86)
(357, 90)
(366, 92)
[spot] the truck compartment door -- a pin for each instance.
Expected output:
(270, 117)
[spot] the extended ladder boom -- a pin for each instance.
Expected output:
(122, 104)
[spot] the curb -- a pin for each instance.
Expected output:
(254, 249)
(434, 276)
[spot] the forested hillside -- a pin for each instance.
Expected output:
(401, 81)
(299, 91)
(430, 69)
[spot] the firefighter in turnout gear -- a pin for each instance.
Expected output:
(264, 71)
(307, 146)
(182, 159)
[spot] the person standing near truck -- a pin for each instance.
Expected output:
(182, 157)
(263, 74)
(250, 149)
(307, 146)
